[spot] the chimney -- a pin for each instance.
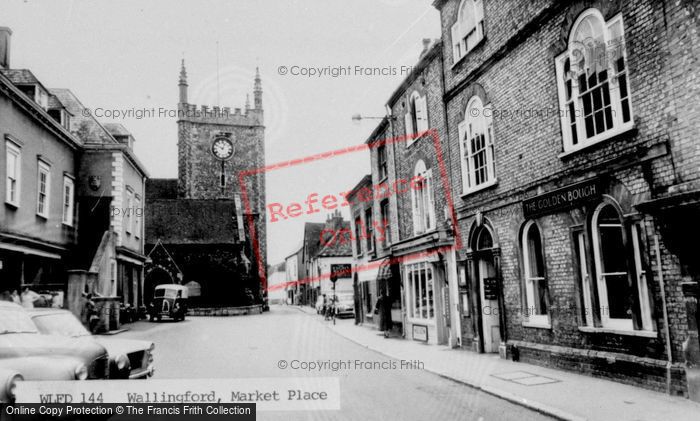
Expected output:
(426, 46)
(5, 38)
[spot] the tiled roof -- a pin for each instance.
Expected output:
(55, 103)
(312, 236)
(337, 241)
(20, 76)
(161, 188)
(116, 129)
(83, 124)
(191, 221)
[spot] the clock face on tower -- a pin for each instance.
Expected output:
(222, 148)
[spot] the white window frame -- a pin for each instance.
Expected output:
(43, 168)
(417, 108)
(461, 30)
(536, 320)
(585, 277)
(369, 229)
(137, 218)
(476, 118)
(12, 151)
(414, 288)
(575, 48)
(423, 200)
(127, 216)
(68, 200)
(637, 271)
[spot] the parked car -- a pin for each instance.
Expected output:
(344, 305)
(169, 300)
(46, 357)
(128, 359)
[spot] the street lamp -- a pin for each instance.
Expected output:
(357, 118)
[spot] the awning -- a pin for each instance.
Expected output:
(367, 274)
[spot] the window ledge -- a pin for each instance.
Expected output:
(44, 217)
(597, 139)
(479, 188)
(415, 137)
(640, 333)
(461, 59)
(537, 325)
(12, 205)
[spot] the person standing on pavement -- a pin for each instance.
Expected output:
(383, 308)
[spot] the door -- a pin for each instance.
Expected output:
(488, 290)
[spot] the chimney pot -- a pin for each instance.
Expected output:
(5, 41)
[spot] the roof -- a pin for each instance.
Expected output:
(434, 51)
(87, 128)
(366, 181)
(336, 242)
(161, 188)
(116, 129)
(312, 236)
(54, 103)
(21, 76)
(191, 221)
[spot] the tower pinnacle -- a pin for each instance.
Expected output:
(183, 83)
(257, 90)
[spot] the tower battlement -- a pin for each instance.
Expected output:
(219, 115)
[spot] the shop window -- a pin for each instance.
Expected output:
(536, 308)
(422, 198)
(421, 291)
(468, 31)
(13, 166)
(593, 82)
(43, 189)
(618, 276)
(476, 146)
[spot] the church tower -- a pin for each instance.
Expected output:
(214, 145)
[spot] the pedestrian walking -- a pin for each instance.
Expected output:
(383, 309)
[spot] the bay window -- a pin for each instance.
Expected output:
(593, 82)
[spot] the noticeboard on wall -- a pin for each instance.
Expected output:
(490, 288)
(420, 333)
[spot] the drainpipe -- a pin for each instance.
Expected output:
(667, 332)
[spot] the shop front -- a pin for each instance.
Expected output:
(426, 298)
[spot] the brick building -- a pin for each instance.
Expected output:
(202, 220)
(573, 133)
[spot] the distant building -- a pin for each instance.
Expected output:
(276, 279)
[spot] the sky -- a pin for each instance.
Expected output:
(126, 56)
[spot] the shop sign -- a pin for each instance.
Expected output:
(420, 333)
(340, 271)
(490, 288)
(561, 199)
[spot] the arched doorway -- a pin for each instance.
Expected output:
(154, 277)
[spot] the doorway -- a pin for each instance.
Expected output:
(486, 274)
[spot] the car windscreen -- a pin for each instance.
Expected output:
(15, 321)
(64, 324)
(165, 293)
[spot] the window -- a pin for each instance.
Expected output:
(468, 31)
(422, 199)
(369, 234)
(417, 116)
(138, 214)
(614, 243)
(534, 274)
(421, 288)
(68, 200)
(381, 162)
(593, 82)
(127, 214)
(13, 160)
(358, 234)
(476, 143)
(385, 222)
(43, 189)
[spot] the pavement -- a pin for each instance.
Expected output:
(269, 345)
(559, 394)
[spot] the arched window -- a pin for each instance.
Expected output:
(422, 199)
(593, 83)
(536, 301)
(476, 144)
(468, 31)
(416, 117)
(618, 262)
